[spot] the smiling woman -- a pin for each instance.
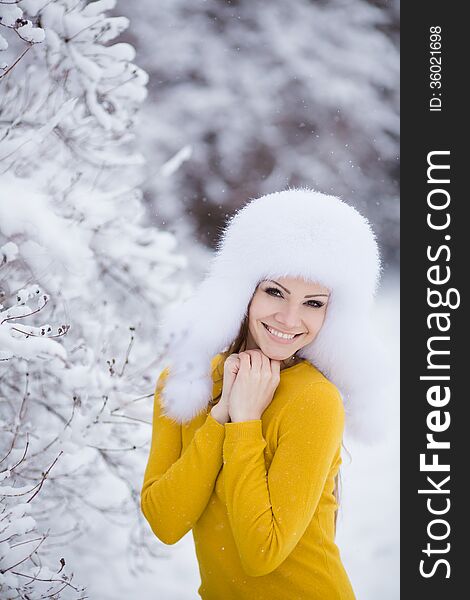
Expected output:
(264, 363)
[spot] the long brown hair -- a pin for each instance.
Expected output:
(238, 345)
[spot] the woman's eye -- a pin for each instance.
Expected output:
(316, 303)
(277, 293)
(274, 292)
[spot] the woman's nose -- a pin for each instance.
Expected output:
(289, 318)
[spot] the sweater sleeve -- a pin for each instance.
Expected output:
(270, 511)
(178, 483)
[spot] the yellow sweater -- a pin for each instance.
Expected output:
(258, 495)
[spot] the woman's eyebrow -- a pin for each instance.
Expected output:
(286, 290)
(315, 295)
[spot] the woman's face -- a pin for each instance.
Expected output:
(285, 315)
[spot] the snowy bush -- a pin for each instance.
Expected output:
(82, 280)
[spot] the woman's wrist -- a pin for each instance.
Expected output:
(240, 418)
(219, 415)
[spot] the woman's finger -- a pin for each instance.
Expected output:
(245, 361)
(249, 354)
(233, 362)
(265, 364)
(228, 367)
(255, 360)
(276, 368)
(236, 365)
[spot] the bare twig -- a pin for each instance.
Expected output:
(127, 353)
(26, 557)
(115, 449)
(20, 416)
(44, 476)
(29, 334)
(44, 297)
(20, 461)
(138, 399)
(82, 30)
(132, 419)
(16, 61)
(35, 578)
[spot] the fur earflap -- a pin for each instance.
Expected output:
(296, 233)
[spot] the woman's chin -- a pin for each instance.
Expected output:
(275, 354)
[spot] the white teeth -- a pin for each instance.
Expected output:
(285, 336)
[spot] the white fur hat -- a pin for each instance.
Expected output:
(296, 233)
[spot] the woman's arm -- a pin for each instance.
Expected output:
(270, 511)
(177, 486)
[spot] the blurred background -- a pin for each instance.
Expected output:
(246, 98)
(251, 98)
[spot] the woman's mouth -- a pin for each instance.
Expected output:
(279, 336)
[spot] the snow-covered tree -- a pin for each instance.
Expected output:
(20, 540)
(271, 94)
(79, 262)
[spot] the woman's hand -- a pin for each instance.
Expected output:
(254, 386)
(220, 411)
